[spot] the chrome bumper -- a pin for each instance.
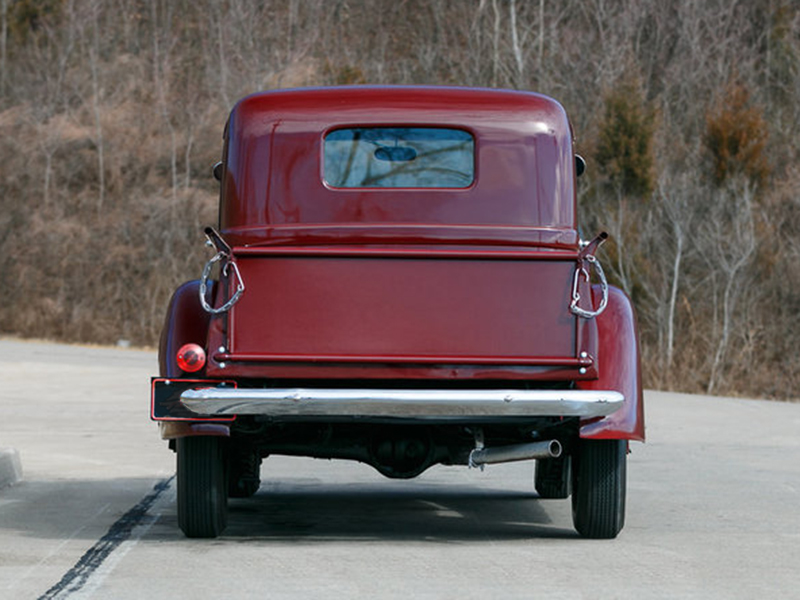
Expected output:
(312, 402)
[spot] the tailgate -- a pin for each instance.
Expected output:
(404, 307)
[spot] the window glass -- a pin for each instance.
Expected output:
(399, 157)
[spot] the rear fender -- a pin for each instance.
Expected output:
(186, 322)
(620, 370)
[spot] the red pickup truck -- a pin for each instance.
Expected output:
(398, 279)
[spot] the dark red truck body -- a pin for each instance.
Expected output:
(392, 317)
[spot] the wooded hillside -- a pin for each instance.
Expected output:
(111, 115)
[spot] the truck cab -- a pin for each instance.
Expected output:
(397, 278)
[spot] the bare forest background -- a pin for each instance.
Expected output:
(687, 111)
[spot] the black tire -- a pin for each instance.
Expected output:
(598, 488)
(553, 478)
(244, 472)
(202, 486)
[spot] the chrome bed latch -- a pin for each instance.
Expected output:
(229, 265)
(586, 262)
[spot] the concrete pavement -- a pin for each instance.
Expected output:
(712, 508)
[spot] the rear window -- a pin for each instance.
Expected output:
(399, 157)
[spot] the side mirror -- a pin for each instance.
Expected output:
(580, 165)
(216, 171)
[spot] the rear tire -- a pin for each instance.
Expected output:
(244, 471)
(598, 498)
(553, 477)
(202, 486)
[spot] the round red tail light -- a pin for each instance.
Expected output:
(191, 358)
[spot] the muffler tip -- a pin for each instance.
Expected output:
(555, 448)
(503, 454)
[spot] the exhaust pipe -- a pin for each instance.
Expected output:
(502, 454)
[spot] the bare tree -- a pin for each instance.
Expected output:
(94, 68)
(3, 46)
(730, 242)
(164, 39)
